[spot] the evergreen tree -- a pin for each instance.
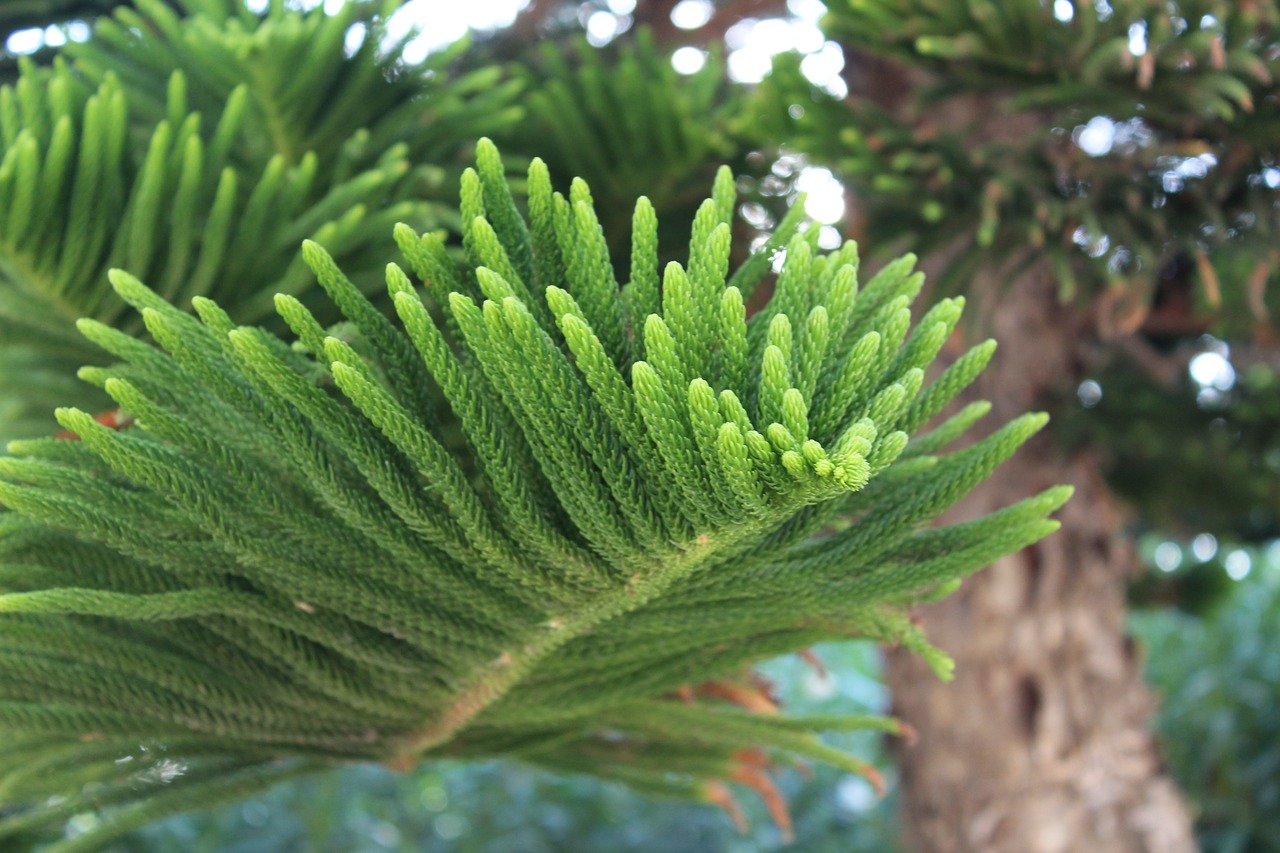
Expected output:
(1101, 175)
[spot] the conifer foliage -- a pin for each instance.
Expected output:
(1136, 137)
(629, 124)
(516, 522)
(198, 150)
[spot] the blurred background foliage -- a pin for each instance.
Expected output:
(1219, 676)
(1217, 419)
(1178, 203)
(1131, 144)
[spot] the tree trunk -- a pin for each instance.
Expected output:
(1042, 742)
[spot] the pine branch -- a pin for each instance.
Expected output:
(287, 560)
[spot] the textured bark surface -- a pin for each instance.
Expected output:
(1041, 744)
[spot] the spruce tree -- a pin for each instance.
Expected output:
(514, 522)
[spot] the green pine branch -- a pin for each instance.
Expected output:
(513, 523)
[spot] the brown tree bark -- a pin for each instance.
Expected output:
(1042, 743)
